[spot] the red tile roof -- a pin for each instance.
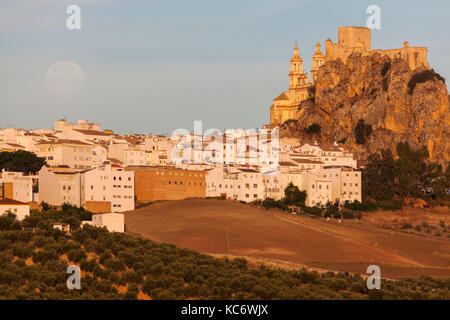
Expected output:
(7, 201)
(93, 132)
(65, 141)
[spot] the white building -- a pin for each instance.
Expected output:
(63, 125)
(21, 186)
(242, 184)
(101, 189)
(20, 209)
(114, 222)
(85, 135)
(346, 183)
(127, 154)
(327, 154)
(57, 187)
(72, 153)
(105, 184)
(318, 189)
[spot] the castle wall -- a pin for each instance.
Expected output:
(354, 37)
(414, 56)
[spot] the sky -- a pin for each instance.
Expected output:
(152, 66)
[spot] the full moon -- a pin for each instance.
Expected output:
(64, 79)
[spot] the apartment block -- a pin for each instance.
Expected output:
(101, 189)
(154, 183)
(71, 153)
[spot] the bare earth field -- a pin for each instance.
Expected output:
(221, 227)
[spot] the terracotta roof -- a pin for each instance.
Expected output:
(113, 160)
(285, 164)
(7, 201)
(65, 141)
(307, 161)
(282, 96)
(15, 145)
(248, 170)
(92, 132)
(329, 147)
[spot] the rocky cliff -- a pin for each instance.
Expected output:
(372, 103)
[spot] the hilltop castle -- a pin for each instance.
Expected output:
(350, 40)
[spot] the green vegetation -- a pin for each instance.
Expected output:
(389, 181)
(362, 131)
(33, 264)
(21, 161)
(366, 205)
(313, 129)
(422, 77)
(293, 195)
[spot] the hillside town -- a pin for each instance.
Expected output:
(104, 172)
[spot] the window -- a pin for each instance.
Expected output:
(170, 182)
(247, 195)
(255, 185)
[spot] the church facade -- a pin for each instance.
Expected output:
(285, 106)
(350, 40)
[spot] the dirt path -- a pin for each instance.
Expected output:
(227, 227)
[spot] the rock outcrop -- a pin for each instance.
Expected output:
(375, 89)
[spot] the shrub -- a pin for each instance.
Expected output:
(422, 77)
(347, 214)
(407, 225)
(316, 211)
(390, 205)
(313, 129)
(22, 251)
(331, 211)
(76, 255)
(386, 68)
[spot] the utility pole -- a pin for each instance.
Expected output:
(227, 242)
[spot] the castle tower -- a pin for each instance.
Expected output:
(318, 61)
(297, 78)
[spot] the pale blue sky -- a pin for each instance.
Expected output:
(157, 65)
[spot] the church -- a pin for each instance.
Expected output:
(350, 40)
(285, 105)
